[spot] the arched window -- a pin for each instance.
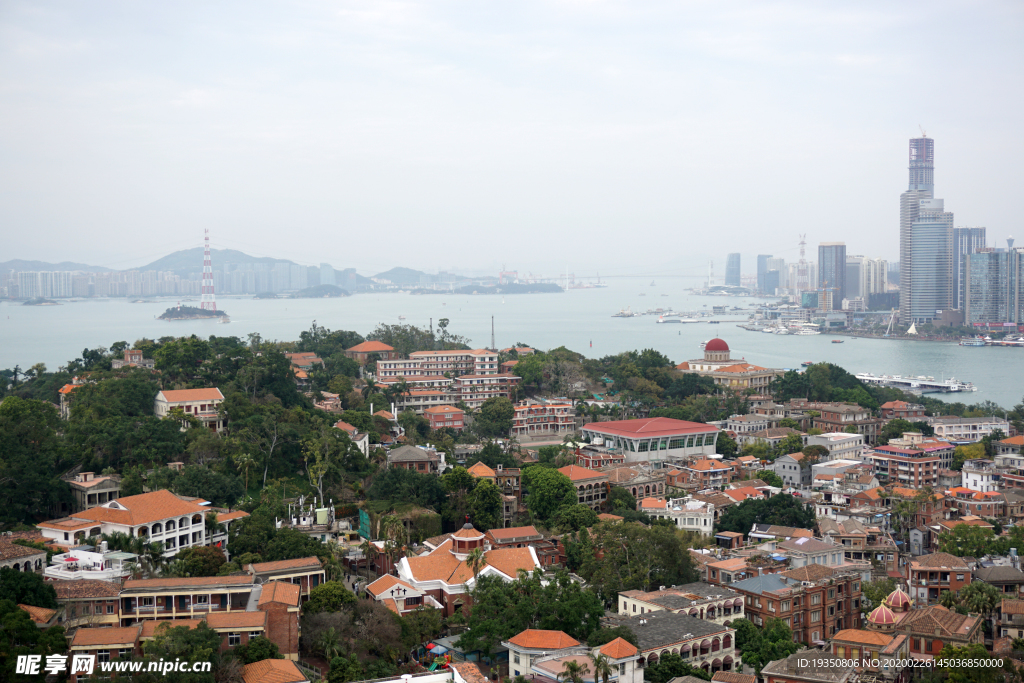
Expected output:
(169, 526)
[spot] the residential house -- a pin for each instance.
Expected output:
(445, 417)
(90, 490)
(157, 516)
(878, 654)
(966, 429)
(770, 436)
(839, 418)
(132, 359)
(474, 390)
(417, 458)
(21, 558)
(199, 404)
(815, 601)
(701, 643)
(362, 352)
(640, 481)
(686, 514)
(305, 572)
(929, 575)
(1007, 579)
(591, 486)
(981, 475)
(791, 470)
(543, 418)
(360, 439)
(901, 410)
(911, 467)
(88, 602)
(536, 652)
(707, 473)
(840, 445)
(701, 600)
(810, 666)
(746, 424)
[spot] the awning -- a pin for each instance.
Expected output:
(727, 660)
(705, 643)
(438, 649)
(738, 602)
(685, 647)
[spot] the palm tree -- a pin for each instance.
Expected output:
(245, 462)
(476, 560)
(370, 387)
(948, 600)
(367, 549)
(213, 527)
(328, 643)
(573, 672)
(602, 667)
(393, 532)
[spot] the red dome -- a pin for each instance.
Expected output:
(716, 344)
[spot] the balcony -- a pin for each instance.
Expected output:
(110, 566)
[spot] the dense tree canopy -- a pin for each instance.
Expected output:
(782, 510)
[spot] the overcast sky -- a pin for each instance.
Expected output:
(613, 136)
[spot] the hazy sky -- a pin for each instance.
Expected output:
(613, 136)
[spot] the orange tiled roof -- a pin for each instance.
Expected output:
(241, 619)
(438, 410)
(280, 591)
(577, 473)
(273, 671)
(479, 469)
(85, 588)
(371, 347)
(1014, 441)
(653, 503)
(40, 615)
(90, 637)
(386, 583)
(144, 508)
(618, 649)
(189, 581)
(856, 635)
(228, 516)
(539, 639)
(185, 395)
(297, 563)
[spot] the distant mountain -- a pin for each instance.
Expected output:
(18, 264)
(410, 276)
(191, 260)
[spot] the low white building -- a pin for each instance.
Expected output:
(790, 469)
(981, 475)
(90, 562)
(201, 404)
(685, 513)
(969, 429)
(536, 652)
(654, 439)
(840, 445)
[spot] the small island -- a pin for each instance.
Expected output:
(190, 313)
(320, 292)
(40, 301)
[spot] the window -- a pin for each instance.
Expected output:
(254, 634)
(831, 593)
(124, 653)
(959, 577)
(816, 599)
(202, 599)
(515, 660)
(86, 608)
(622, 669)
(815, 616)
(856, 586)
(785, 605)
(831, 610)
(146, 602)
(234, 639)
(103, 656)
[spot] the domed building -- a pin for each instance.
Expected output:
(887, 616)
(898, 601)
(719, 365)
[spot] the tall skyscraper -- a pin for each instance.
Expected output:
(832, 269)
(993, 286)
(326, 274)
(876, 272)
(931, 264)
(732, 270)
(921, 186)
(855, 277)
(965, 241)
(762, 269)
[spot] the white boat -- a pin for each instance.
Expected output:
(661, 319)
(781, 330)
(803, 331)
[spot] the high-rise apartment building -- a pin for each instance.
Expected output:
(732, 270)
(965, 241)
(931, 259)
(832, 269)
(921, 186)
(762, 270)
(993, 287)
(875, 272)
(326, 274)
(855, 277)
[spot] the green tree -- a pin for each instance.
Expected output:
(620, 498)
(965, 540)
(726, 445)
(330, 596)
(962, 454)
(770, 478)
(636, 557)
(486, 506)
(791, 443)
(768, 644)
(573, 671)
(782, 510)
(494, 418)
(31, 455)
(256, 650)
(345, 669)
(894, 429)
(188, 645)
(601, 667)
(289, 544)
(875, 592)
(200, 561)
(671, 666)
(547, 491)
(574, 517)
(19, 635)
(26, 588)
(960, 664)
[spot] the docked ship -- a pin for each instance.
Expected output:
(972, 341)
(921, 383)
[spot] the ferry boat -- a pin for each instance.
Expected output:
(837, 341)
(661, 319)
(626, 312)
(972, 341)
(807, 363)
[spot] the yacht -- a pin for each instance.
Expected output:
(807, 331)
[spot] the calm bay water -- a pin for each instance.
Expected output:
(578, 319)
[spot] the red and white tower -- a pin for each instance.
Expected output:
(208, 301)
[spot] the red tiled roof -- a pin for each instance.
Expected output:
(240, 619)
(649, 427)
(280, 591)
(297, 563)
(577, 473)
(144, 508)
(652, 503)
(618, 649)
(88, 637)
(150, 627)
(273, 671)
(386, 583)
(40, 615)
(138, 584)
(85, 588)
(371, 347)
(185, 395)
(539, 639)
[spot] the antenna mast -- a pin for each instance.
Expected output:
(207, 302)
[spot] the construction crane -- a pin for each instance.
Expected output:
(923, 133)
